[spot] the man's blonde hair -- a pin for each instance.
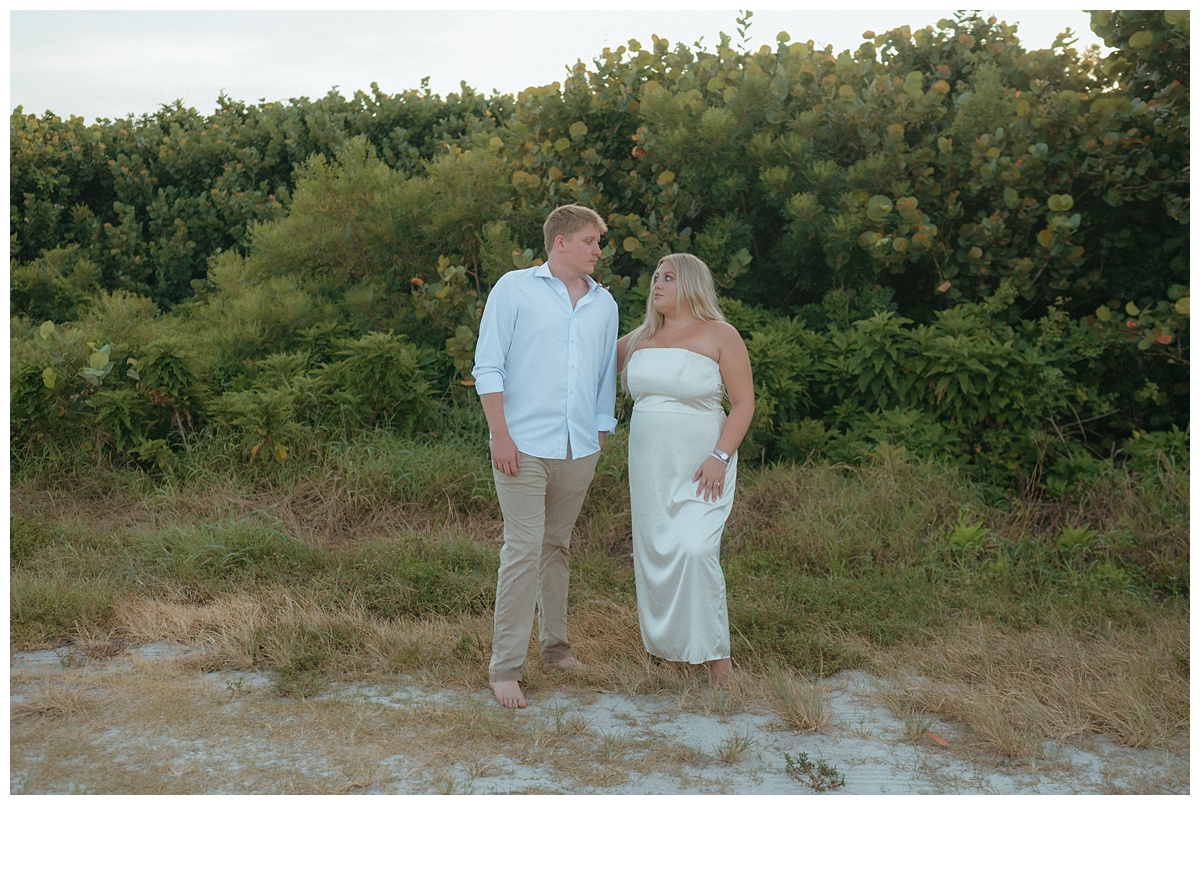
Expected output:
(568, 220)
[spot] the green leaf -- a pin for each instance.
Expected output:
(1141, 40)
(878, 208)
(1060, 202)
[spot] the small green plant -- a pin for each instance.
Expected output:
(610, 749)
(968, 538)
(732, 748)
(568, 722)
(1115, 576)
(1075, 538)
(69, 658)
(445, 785)
(819, 776)
(301, 677)
(915, 725)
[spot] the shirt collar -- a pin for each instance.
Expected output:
(543, 270)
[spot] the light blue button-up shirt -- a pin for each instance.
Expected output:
(556, 365)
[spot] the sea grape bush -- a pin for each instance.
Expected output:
(935, 239)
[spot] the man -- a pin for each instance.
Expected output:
(546, 374)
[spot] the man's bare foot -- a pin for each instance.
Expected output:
(508, 694)
(720, 672)
(567, 663)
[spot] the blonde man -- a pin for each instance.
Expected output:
(545, 371)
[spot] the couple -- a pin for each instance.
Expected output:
(546, 369)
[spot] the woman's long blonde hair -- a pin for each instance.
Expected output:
(694, 291)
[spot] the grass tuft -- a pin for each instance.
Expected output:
(801, 703)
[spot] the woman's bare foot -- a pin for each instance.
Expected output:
(720, 672)
(508, 694)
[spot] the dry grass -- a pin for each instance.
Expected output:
(803, 704)
(54, 699)
(152, 731)
(134, 725)
(1006, 693)
(226, 626)
(311, 603)
(1011, 691)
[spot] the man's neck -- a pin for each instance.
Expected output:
(577, 286)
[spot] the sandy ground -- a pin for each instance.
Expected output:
(865, 750)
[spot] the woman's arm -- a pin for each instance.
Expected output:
(739, 387)
(734, 362)
(622, 345)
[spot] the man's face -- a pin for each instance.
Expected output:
(580, 251)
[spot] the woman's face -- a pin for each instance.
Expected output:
(662, 290)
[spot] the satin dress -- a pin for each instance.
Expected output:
(677, 419)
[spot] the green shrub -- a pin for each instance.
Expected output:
(934, 222)
(262, 421)
(376, 381)
(58, 286)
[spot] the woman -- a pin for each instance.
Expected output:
(679, 365)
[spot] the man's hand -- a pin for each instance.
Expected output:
(505, 456)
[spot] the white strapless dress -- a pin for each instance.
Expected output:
(677, 419)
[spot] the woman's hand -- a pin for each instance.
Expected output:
(710, 479)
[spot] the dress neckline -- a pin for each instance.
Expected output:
(684, 349)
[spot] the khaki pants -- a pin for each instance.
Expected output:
(540, 505)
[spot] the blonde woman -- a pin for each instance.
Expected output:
(679, 365)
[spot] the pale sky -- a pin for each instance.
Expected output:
(109, 64)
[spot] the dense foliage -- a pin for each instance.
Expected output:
(936, 239)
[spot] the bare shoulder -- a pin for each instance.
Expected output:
(727, 336)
